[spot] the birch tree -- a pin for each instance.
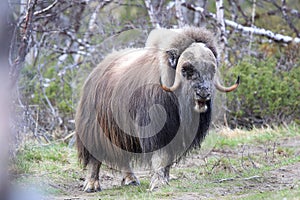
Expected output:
(55, 44)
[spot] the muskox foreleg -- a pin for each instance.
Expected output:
(130, 179)
(92, 183)
(160, 177)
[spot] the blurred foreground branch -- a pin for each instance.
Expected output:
(25, 30)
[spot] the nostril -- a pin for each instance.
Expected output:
(204, 88)
(204, 94)
(208, 97)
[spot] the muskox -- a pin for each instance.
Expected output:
(148, 106)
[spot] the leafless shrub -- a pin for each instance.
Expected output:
(56, 43)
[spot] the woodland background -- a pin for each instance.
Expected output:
(49, 47)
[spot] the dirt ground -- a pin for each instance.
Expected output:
(284, 177)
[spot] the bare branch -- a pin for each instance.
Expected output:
(233, 179)
(293, 12)
(240, 10)
(151, 14)
(245, 29)
(45, 9)
(263, 32)
(224, 180)
(252, 22)
(287, 19)
(179, 15)
(221, 24)
(193, 7)
(93, 19)
(252, 177)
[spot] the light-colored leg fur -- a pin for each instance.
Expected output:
(92, 183)
(159, 178)
(161, 165)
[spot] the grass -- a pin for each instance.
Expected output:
(235, 137)
(231, 164)
(281, 194)
(41, 165)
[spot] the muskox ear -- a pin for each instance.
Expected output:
(173, 55)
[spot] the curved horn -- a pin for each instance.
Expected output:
(227, 89)
(172, 59)
(174, 87)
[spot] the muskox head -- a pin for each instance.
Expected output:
(193, 59)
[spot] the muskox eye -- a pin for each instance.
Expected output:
(188, 71)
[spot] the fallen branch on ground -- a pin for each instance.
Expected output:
(232, 179)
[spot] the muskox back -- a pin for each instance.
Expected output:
(102, 136)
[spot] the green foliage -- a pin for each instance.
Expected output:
(131, 12)
(265, 92)
(31, 156)
(49, 83)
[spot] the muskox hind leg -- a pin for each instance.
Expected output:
(92, 183)
(130, 179)
(160, 177)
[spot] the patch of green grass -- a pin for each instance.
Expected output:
(288, 194)
(53, 166)
(41, 165)
(233, 138)
(38, 157)
(126, 192)
(223, 172)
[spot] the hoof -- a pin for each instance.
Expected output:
(157, 181)
(91, 186)
(134, 183)
(130, 179)
(90, 190)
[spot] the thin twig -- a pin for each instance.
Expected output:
(252, 177)
(46, 9)
(287, 19)
(252, 23)
(273, 151)
(216, 164)
(229, 161)
(68, 136)
(224, 180)
(251, 160)
(232, 179)
(242, 159)
(236, 2)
